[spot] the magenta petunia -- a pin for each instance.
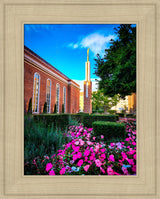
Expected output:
(110, 171)
(86, 167)
(49, 166)
(111, 158)
(52, 173)
(62, 171)
(80, 162)
(86, 152)
(98, 162)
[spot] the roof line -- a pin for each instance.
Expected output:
(25, 47)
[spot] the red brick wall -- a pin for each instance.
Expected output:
(72, 101)
(87, 100)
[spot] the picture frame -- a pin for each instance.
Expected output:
(14, 14)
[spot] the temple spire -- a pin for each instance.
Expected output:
(87, 54)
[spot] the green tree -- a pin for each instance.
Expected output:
(30, 106)
(62, 108)
(100, 100)
(117, 69)
(55, 108)
(45, 108)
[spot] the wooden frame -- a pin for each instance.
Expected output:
(14, 14)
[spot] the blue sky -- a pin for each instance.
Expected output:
(65, 45)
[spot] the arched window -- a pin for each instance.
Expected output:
(48, 95)
(64, 98)
(57, 97)
(35, 106)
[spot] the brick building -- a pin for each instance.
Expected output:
(44, 83)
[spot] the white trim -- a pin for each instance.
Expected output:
(64, 102)
(38, 92)
(58, 97)
(50, 94)
(29, 59)
(72, 83)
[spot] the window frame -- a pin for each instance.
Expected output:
(38, 93)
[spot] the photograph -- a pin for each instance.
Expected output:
(80, 99)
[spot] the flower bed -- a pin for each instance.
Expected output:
(89, 155)
(86, 154)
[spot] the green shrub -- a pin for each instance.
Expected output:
(117, 117)
(100, 111)
(45, 108)
(130, 116)
(55, 108)
(109, 129)
(120, 114)
(111, 112)
(89, 119)
(62, 108)
(40, 140)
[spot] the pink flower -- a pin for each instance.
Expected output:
(103, 155)
(125, 171)
(62, 171)
(103, 171)
(86, 167)
(81, 142)
(127, 139)
(102, 137)
(110, 171)
(86, 159)
(134, 156)
(49, 166)
(111, 158)
(52, 173)
(112, 144)
(75, 157)
(102, 150)
(98, 162)
(80, 162)
(86, 152)
(94, 138)
(134, 143)
(76, 143)
(76, 149)
(134, 168)
(130, 161)
(90, 129)
(79, 155)
(124, 156)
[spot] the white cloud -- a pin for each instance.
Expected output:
(72, 45)
(94, 84)
(97, 42)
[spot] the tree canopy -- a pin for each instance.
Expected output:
(117, 69)
(101, 100)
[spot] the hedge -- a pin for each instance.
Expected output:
(62, 120)
(120, 114)
(109, 129)
(57, 120)
(89, 119)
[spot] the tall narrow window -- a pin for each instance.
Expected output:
(35, 106)
(57, 97)
(48, 95)
(86, 89)
(64, 98)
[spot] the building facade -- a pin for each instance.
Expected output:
(44, 83)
